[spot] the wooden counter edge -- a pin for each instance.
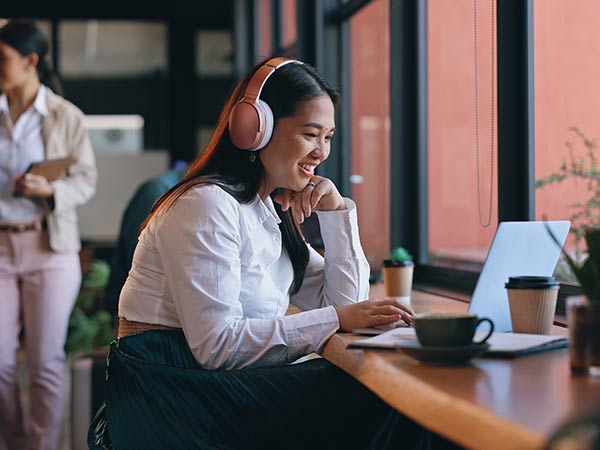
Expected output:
(463, 422)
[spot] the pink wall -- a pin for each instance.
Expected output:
(289, 22)
(567, 93)
(369, 61)
(265, 34)
(454, 224)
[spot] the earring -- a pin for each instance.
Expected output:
(252, 157)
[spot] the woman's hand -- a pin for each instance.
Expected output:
(30, 185)
(320, 194)
(373, 312)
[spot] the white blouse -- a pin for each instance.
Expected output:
(21, 144)
(217, 269)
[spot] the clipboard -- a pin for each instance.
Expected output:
(51, 169)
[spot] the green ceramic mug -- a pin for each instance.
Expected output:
(449, 329)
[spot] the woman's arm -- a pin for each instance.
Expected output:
(342, 277)
(199, 243)
(80, 184)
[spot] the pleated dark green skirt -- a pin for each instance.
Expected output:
(158, 397)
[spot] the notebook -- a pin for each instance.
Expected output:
(518, 248)
(51, 169)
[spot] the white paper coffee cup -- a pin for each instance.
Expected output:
(397, 280)
(532, 302)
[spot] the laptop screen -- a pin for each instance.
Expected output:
(518, 248)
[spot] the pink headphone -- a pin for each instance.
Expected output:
(251, 119)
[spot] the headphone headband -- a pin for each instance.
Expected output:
(260, 77)
(251, 119)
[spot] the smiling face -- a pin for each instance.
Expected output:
(16, 70)
(299, 144)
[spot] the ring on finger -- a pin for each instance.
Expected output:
(311, 183)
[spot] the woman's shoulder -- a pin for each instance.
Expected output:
(203, 207)
(207, 202)
(210, 192)
(62, 107)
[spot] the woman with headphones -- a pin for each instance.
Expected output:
(40, 273)
(204, 349)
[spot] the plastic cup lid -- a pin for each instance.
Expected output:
(531, 282)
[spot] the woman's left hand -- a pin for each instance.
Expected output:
(30, 185)
(320, 194)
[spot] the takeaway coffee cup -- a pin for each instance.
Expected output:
(449, 329)
(397, 278)
(532, 302)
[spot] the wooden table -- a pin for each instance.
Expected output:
(491, 404)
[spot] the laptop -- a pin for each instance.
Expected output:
(518, 248)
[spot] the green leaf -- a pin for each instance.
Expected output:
(81, 333)
(105, 334)
(98, 274)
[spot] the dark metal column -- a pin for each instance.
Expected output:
(276, 27)
(336, 68)
(182, 82)
(310, 23)
(516, 176)
(54, 45)
(408, 90)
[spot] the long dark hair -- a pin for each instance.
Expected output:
(223, 164)
(24, 36)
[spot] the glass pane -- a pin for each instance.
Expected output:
(462, 156)
(567, 68)
(370, 125)
(265, 32)
(288, 28)
(101, 48)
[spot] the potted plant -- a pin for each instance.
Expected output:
(89, 325)
(398, 273)
(583, 312)
(581, 166)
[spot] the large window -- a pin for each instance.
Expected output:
(462, 150)
(567, 70)
(370, 126)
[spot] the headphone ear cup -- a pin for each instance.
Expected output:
(244, 125)
(268, 121)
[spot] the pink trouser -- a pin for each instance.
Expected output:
(38, 288)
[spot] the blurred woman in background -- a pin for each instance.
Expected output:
(40, 273)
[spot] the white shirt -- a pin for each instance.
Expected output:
(218, 269)
(21, 144)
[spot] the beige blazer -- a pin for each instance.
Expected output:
(64, 135)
